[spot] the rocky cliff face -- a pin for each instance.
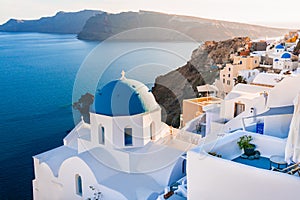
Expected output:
(297, 49)
(102, 26)
(170, 89)
(62, 22)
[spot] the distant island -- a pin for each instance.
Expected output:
(62, 22)
(99, 25)
(103, 26)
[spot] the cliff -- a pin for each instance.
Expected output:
(62, 22)
(105, 25)
(297, 48)
(170, 89)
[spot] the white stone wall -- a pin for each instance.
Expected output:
(284, 92)
(215, 178)
(227, 106)
(249, 75)
(48, 187)
(283, 64)
(152, 119)
(114, 130)
(104, 121)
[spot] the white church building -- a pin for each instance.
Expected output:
(284, 62)
(126, 152)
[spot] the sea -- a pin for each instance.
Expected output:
(41, 75)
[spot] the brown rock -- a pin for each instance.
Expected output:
(170, 89)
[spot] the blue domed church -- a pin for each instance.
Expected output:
(127, 114)
(126, 152)
(284, 62)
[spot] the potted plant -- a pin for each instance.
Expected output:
(244, 143)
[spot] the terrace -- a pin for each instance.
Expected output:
(193, 108)
(234, 176)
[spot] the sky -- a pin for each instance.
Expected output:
(274, 13)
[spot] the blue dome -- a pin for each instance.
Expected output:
(124, 97)
(286, 55)
(279, 46)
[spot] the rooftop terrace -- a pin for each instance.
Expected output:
(236, 178)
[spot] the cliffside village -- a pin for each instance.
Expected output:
(258, 67)
(259, 63)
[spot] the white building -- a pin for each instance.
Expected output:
(125, 153)
(242, 98)
(258, 53)
(284, 62)
(275, 50)
(267, 79)
(215, 178)
(250, 100)
(279, 49)
(242, 65)
(248, 75)
(232, 176)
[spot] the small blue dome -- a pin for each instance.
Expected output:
(124, 97)
(286, 55)
(279, 46)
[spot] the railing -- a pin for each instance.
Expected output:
(189, 137)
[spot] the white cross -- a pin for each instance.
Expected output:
(123, 74)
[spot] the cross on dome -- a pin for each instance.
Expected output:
(123, 75)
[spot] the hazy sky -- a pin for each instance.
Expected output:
(266, 12)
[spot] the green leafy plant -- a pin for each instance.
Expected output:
(244, 142)
(239, 79)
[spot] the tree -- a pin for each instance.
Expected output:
(83, 106)
(239, 79)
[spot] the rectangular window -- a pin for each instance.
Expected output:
(184, 166)
(228, 82)
(238, 108)
(228, 75)
(224, 80)
(128, 136)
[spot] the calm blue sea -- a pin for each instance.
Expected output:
(37, 74)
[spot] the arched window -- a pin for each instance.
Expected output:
(128, 136)
(78, 185)
(101, 134)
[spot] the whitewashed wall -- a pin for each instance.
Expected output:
(212, 178)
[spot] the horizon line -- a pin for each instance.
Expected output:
(262, 23)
